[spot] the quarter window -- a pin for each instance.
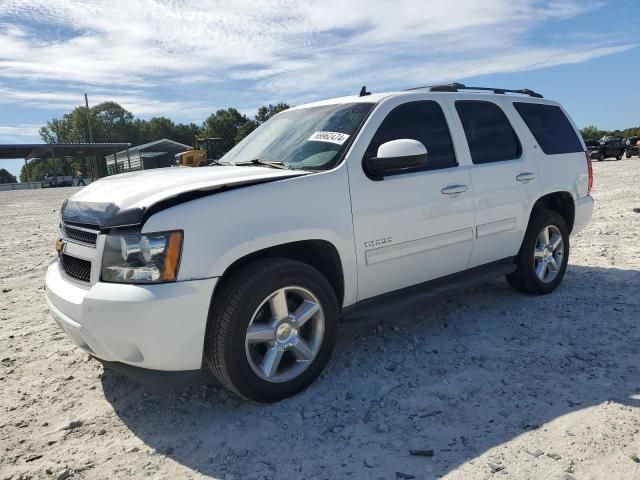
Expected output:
(550, 127)
(490, 136)
(423, 121)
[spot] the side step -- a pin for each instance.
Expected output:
(454, 282)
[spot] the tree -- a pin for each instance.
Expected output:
(268, 111)
(38, 167)
(6, 177)
(245, 129)
(592, 132)
(112, 122)
(224, 124)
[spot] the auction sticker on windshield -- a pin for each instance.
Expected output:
(332, 137)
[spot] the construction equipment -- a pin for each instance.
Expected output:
(206, 151)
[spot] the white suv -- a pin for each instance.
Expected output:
(245, 266)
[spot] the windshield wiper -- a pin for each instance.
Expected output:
(264, 163)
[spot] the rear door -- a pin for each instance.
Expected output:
(410, 227)
(504, 176)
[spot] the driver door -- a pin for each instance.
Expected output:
(415, 226)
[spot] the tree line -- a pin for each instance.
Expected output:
(111, 123)
(594, 133)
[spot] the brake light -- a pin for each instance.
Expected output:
(590, 168)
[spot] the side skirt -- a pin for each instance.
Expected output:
(456, 281)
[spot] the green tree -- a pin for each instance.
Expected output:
(592, 132)
(245, 129)
(6, 177)
(38, 167)
(110, 122)
(225, 124)
(267, 111)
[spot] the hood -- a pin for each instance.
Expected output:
(130, 198)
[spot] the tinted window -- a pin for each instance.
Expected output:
(421, 121)
(550, 127)
(490, 136)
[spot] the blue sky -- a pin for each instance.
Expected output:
(186, 58)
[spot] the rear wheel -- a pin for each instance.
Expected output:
(544, 254)
(618, 157)
(272, 329)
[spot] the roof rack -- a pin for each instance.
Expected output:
(455, 87)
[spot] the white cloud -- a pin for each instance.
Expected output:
(22, 130)
(277, 48)
(135, 102)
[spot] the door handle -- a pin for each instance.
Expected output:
(454, 189)
(525, 177)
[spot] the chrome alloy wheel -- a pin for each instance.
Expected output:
(285, 334)
(548, 254)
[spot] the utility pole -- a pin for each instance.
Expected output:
(86, 102)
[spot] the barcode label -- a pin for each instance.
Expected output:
(332, 137)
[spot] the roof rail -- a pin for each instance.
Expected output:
(455, 87)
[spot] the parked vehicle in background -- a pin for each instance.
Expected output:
(245, 266)
(51, 180)
(633, 147)
(595, 149)
(612, 147)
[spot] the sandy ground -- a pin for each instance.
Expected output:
(485, 383)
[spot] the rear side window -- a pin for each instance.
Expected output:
(550, 127)
(423, 121)
(490, 136)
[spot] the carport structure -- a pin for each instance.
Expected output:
(94, 153)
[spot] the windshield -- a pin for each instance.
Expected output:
(308, 139)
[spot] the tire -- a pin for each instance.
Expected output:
(525, 278)
(628, 154)
(618, 157)
(244, 300)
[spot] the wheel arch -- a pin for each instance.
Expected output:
(320, 254)
(561, 202)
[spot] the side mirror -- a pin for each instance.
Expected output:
(396, 156)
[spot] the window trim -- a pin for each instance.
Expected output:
(414, 170)
(520, 153)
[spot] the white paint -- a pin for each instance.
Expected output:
(388, 234)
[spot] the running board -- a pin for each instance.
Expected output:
(454, 282)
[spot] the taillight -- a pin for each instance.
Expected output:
(590, 168)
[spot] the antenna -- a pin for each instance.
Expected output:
(363, 91)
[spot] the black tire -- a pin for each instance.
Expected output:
(618, 157)
(232, 308)
(524, 279)
(628, 154)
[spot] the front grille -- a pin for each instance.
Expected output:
(79, 235)
(76, 267)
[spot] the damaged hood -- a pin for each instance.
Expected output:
(129, 199)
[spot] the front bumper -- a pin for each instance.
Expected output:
(159, 327)
(584, 211)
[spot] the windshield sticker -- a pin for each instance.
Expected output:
(332, 137)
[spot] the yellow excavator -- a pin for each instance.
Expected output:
(206, 151)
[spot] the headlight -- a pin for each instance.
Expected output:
(142, 258)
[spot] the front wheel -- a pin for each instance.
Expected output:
(544, 254)
(272, 329)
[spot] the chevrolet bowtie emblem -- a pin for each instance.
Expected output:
(59, 245)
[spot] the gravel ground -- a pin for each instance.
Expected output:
(477, 384)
